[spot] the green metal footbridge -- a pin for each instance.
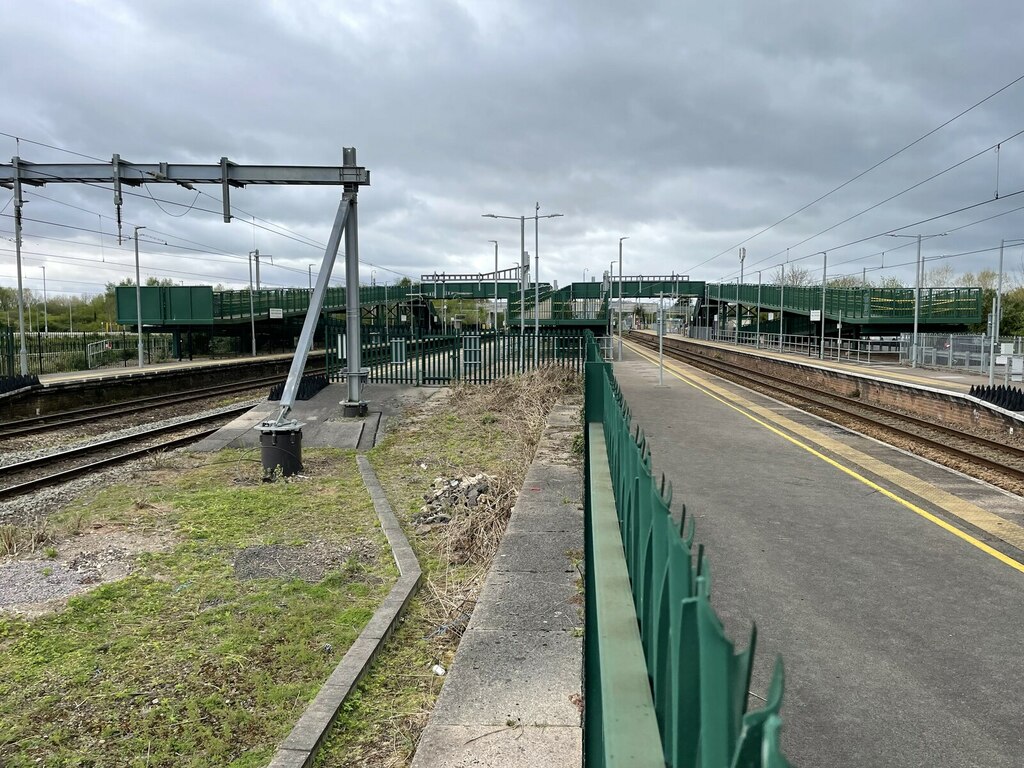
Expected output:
(429, 304)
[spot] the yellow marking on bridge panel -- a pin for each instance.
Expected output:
(995, 525)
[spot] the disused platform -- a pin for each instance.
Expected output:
(890, 585)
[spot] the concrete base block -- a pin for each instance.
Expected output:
(547, 552)
(530, 601)
(525, 676)
(460, 746)
(354, 410)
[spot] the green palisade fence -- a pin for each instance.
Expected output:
(657, 659)
(401, 357)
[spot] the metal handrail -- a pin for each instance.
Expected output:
(698, 683)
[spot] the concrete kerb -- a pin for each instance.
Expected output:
(301, 745)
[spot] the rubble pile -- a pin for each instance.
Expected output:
(448, 494)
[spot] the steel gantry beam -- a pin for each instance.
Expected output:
(119, 172)
(226, 173)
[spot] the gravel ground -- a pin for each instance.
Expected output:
(36, 584)
(39, 505)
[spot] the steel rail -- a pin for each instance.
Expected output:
(61, 475)
(801, 391)
(68, 474)
(73, 417)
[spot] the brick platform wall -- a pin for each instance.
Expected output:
(947, 408)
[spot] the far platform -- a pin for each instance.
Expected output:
(935, 378)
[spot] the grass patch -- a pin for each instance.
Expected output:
(192, 660)
(492, 429)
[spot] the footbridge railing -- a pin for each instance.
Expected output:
(664, 685)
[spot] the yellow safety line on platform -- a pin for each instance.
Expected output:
(997, 526)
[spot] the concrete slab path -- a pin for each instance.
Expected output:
(513, 695)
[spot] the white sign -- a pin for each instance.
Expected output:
(771, 315)
(276, 313)
(815, 315)
(1005, 349)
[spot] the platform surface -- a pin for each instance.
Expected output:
(902, 638)
(948, 379)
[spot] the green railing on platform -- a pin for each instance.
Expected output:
(885, 305)
(398, 356)
(693, 685)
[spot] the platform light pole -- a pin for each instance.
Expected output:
(522, 275)
(782, 303)
(757, 332)
(525, 268)
(536, 279)
(620, 295)
(495, 283)
(611, 312)
(997, 311)
(661, 339)
(138, 294)
(824, 277)
(917, 293)
(252, 309)
(310, 268)
(739, 285)
(46, 314)
(18, 203)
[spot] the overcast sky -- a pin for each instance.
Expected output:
(688, 127)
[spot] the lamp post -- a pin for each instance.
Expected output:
(310, 268)
(917, 293)
(522, 275)
(495, 283)
(824, 276)
(997, 311)
(525, 268)
(252, 310)
(739, 284)
(620, 295)
(611, 313)
(757, 331)
(46, 314)
(737, 336)
(138, 294)
(536, 278)
(782, 302)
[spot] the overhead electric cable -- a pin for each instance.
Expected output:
(863, 173)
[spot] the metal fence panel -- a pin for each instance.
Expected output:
(401, 357)
(698, 682)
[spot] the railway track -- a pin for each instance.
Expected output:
(91, 414)
(61, 466)
(1006, 461)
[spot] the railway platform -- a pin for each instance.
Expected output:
(163, 369)
(935, 378)
(890, 585)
